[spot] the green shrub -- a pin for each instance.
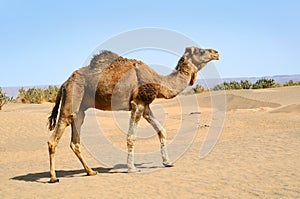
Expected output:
(234, 85)
(199, 89)
(3, 98)
(259, 84)
(227, 86)
(245, 84)
(37, 95)
(264, 83)
(32, 95)
(291, 83)
(50, 93)
(218, 87)
(277, 85)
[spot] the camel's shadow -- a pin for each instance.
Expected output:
(43, 177)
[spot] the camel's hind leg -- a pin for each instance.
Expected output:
(75, 141)
(52, 143)
(136, 113)
(162, 135)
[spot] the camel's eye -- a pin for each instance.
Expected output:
(202, 52)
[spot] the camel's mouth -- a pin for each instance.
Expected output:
(215, 57)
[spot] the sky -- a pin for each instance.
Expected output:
(42, 42)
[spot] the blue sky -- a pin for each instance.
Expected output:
(42, 42)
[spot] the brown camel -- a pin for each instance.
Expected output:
(112, 82)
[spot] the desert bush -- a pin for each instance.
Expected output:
(277, 85)
(245, 84)
(264, 83)
(3, 98)
(32, 95)
(50, 93)
(199, 89)
(21, 95)
(218, 87)
(291, 83)
(227, 86)
(235, 85)
(37, 95)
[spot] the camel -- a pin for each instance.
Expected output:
(112, 83)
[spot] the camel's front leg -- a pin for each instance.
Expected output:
(136, 113)
(162, 135)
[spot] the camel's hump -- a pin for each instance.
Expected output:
(103, 58)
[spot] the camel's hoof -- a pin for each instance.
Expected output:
(168, 164)
(53, 180)
(92, 173)
(133, 170)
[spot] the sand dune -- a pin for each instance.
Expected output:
(256, 156)
(238, 102)
(293, 108)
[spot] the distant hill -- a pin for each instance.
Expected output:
(208, 83)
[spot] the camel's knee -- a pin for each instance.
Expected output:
(130, 142)
(162, 134)
(146, 116)
(75, 147)
(139, 108)
(51, 146)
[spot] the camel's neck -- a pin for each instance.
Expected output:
(178, 80)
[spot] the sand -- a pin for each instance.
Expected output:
(256, 155)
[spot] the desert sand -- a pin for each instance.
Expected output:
(256, 155)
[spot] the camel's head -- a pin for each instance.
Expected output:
(200, 57)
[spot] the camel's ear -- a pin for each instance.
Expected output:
(193, 79)
(189, 51)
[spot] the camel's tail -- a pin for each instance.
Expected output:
(54, 113)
